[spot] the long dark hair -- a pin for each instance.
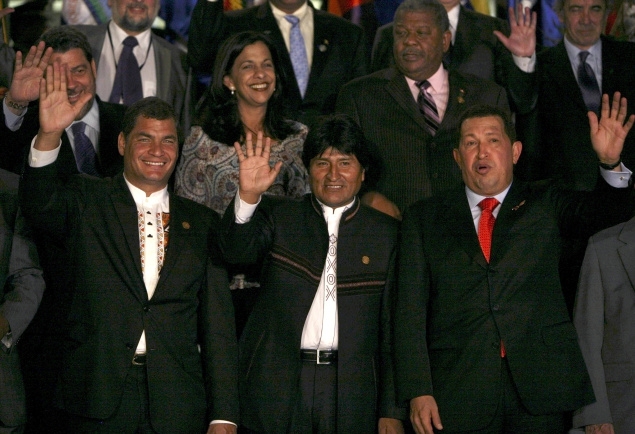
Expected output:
(217, 112)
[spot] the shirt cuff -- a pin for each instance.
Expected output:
(219, 420)
(39, 158)
(7, 340)
(11, 120)
(525, 64)
(243, 211)
(617, 179)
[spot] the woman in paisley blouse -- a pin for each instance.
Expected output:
(245, 97)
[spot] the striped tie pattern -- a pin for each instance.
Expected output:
(428, 107)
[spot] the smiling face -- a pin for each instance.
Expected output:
(419, 44)
(584, 21)
(253, 76)
(486, 156)
(335, 178)
(134, 16)
(80, 76)
(149, 153)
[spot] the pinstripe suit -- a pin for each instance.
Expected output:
(415, 164)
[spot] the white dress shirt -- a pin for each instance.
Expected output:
(594, 59)
(305, 14)
(439, 89)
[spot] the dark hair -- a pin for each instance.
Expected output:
(66, 38)
(340, 132)
(441, 19)
(217, 112)
(482, 111)
(150, 108)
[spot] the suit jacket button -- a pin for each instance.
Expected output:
(495, 308)
(146, 309)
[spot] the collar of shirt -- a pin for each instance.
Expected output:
(305, 14)
(159, 199)
(453, 16)
(594, 59)
(328, 211)
(91, 119)
(439, 89)
(118, 35)
(473, 199)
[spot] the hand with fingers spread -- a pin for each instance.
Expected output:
(522, 39)
(56, 112)
(255, 174)
(424, 413)
(27, 75)
(608, 134)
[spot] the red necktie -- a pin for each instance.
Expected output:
(485, 229)
(486, 225)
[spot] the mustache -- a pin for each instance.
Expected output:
(410, 50)
(138, 5)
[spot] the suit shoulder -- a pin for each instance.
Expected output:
(194, 208)
(112, 110)
(483, 20)
(337, 23)
(377, 219)
(473, 82)
(377, 78)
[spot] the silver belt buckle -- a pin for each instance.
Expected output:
(318, 358)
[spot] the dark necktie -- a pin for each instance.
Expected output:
(486, 225)
(127, 85)
(84, 151)
(428, 107)
(588, 84)
(297, 52)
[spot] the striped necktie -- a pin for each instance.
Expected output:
(428, 107)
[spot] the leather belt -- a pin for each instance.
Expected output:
(139, 359)
(320, 357)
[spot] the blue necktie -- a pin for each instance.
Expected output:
(588, 84)
(84, 152)
(297, 52)
(127, 85)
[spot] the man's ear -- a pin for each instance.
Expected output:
(121, 144)
(517, 149)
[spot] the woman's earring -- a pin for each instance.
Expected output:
(232, 90)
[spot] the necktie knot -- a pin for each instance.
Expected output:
(488, 204)
(130, 42)
(423, 85)
(78, 128)
(583, 55)
(292, 19)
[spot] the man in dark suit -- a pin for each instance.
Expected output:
(162, 66)
(479, 47)
(22, 288)
(315, 356)
(335, 48)
(150, 329)
(482, 331)
(604, 317)
(21, 123)
(564, 146)
(416, 162)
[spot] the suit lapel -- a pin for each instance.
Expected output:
(126, 211)
(512, 209)
(459, 216)
(559, 69)
(321, 40)
(162, 60)
(108, 154)
(397, 87)
(627, 251)
(609, 65)
(464, 34)
(456, 98)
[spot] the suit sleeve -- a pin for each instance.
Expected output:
(207, 30)
(388, 406)
(25, 283)
(588, 318)
(218, 340)
(412, 364)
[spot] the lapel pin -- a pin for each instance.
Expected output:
(461, 97)
(518, 206)
(323, 46)
(365, 260)
(186, 225)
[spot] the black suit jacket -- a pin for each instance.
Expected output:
(15, 145)
(415, 164)
(292, 237)
(339, 52)
(565, 151)
(453, 308)
(477, 51)
(191, 305)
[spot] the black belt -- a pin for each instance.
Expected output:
(139, 360)
(320, 357)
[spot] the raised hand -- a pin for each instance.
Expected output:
(255, 174)
(28, 74)
(608, 134)
(56, 112)
(522, 39)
